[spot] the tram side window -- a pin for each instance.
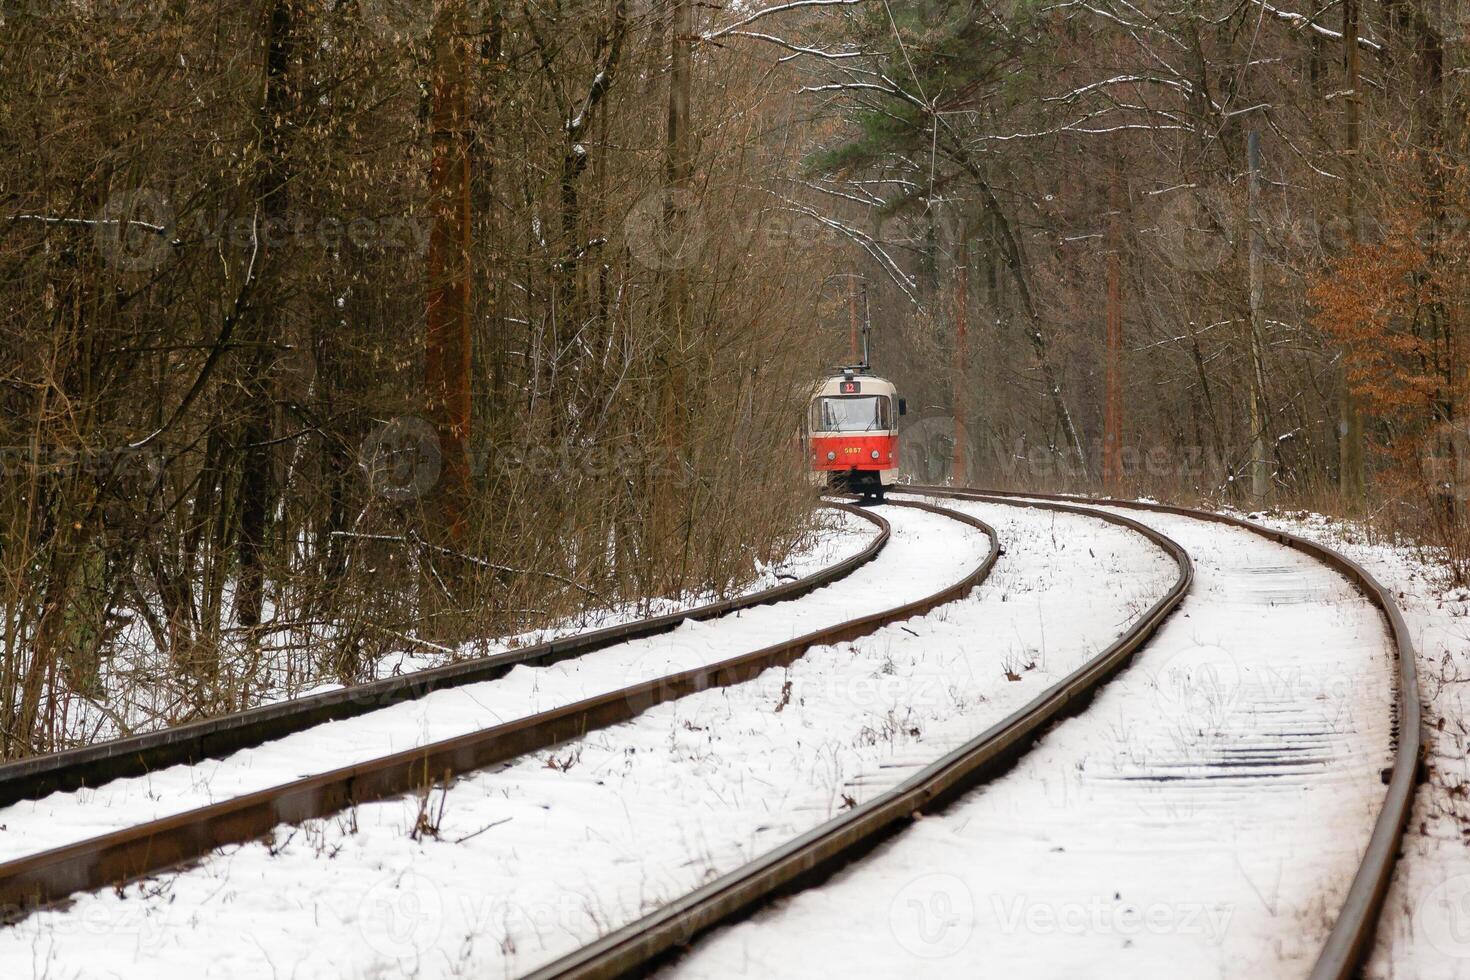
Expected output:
(860, 414)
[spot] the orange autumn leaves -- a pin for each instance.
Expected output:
(1396, 308)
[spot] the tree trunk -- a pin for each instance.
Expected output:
(257, 478)
(447, 346)
(1260, 463)
(673, 351)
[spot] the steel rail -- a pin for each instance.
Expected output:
(1353, 933)
(807, 860)
(126, 855)
(214, 738)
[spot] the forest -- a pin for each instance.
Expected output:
(337, 328)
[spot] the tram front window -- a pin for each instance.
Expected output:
(853, 414)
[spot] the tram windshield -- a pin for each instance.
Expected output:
(865, 413)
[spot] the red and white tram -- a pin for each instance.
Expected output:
(853, 430)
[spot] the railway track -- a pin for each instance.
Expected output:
(810, 858)
(642, 945)
(143, 849)
(214, 738)
(1352, 933)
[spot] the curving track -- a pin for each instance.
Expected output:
(1231, 784)
(1354, 925)
(133, 827)
(214, 738)
(1272, 766)
(816, 855)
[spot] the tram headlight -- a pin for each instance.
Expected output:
(831, 457)
(875, 454)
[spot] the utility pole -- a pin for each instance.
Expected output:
(1260, 467)
(959, 473)
(1350, 477)
(1113, 412)
(852, 319)
(447, 348)
(867, 355)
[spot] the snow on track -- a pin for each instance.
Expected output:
(1424, 931)
(543, 855)
(1204, 816)
(31, 826)
(839, 536)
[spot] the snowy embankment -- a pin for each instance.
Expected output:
(143, 685)
(1425, 928)
(529, 861)
(1203, 817)
(925, 554)
(63, 818)
(839, 536)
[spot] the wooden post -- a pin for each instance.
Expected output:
(447, 347)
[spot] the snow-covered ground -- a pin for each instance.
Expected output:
(529, 861)
(1425, 928)
(143, 687)
(839, 536)
(1203, 817)
(917, 562)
